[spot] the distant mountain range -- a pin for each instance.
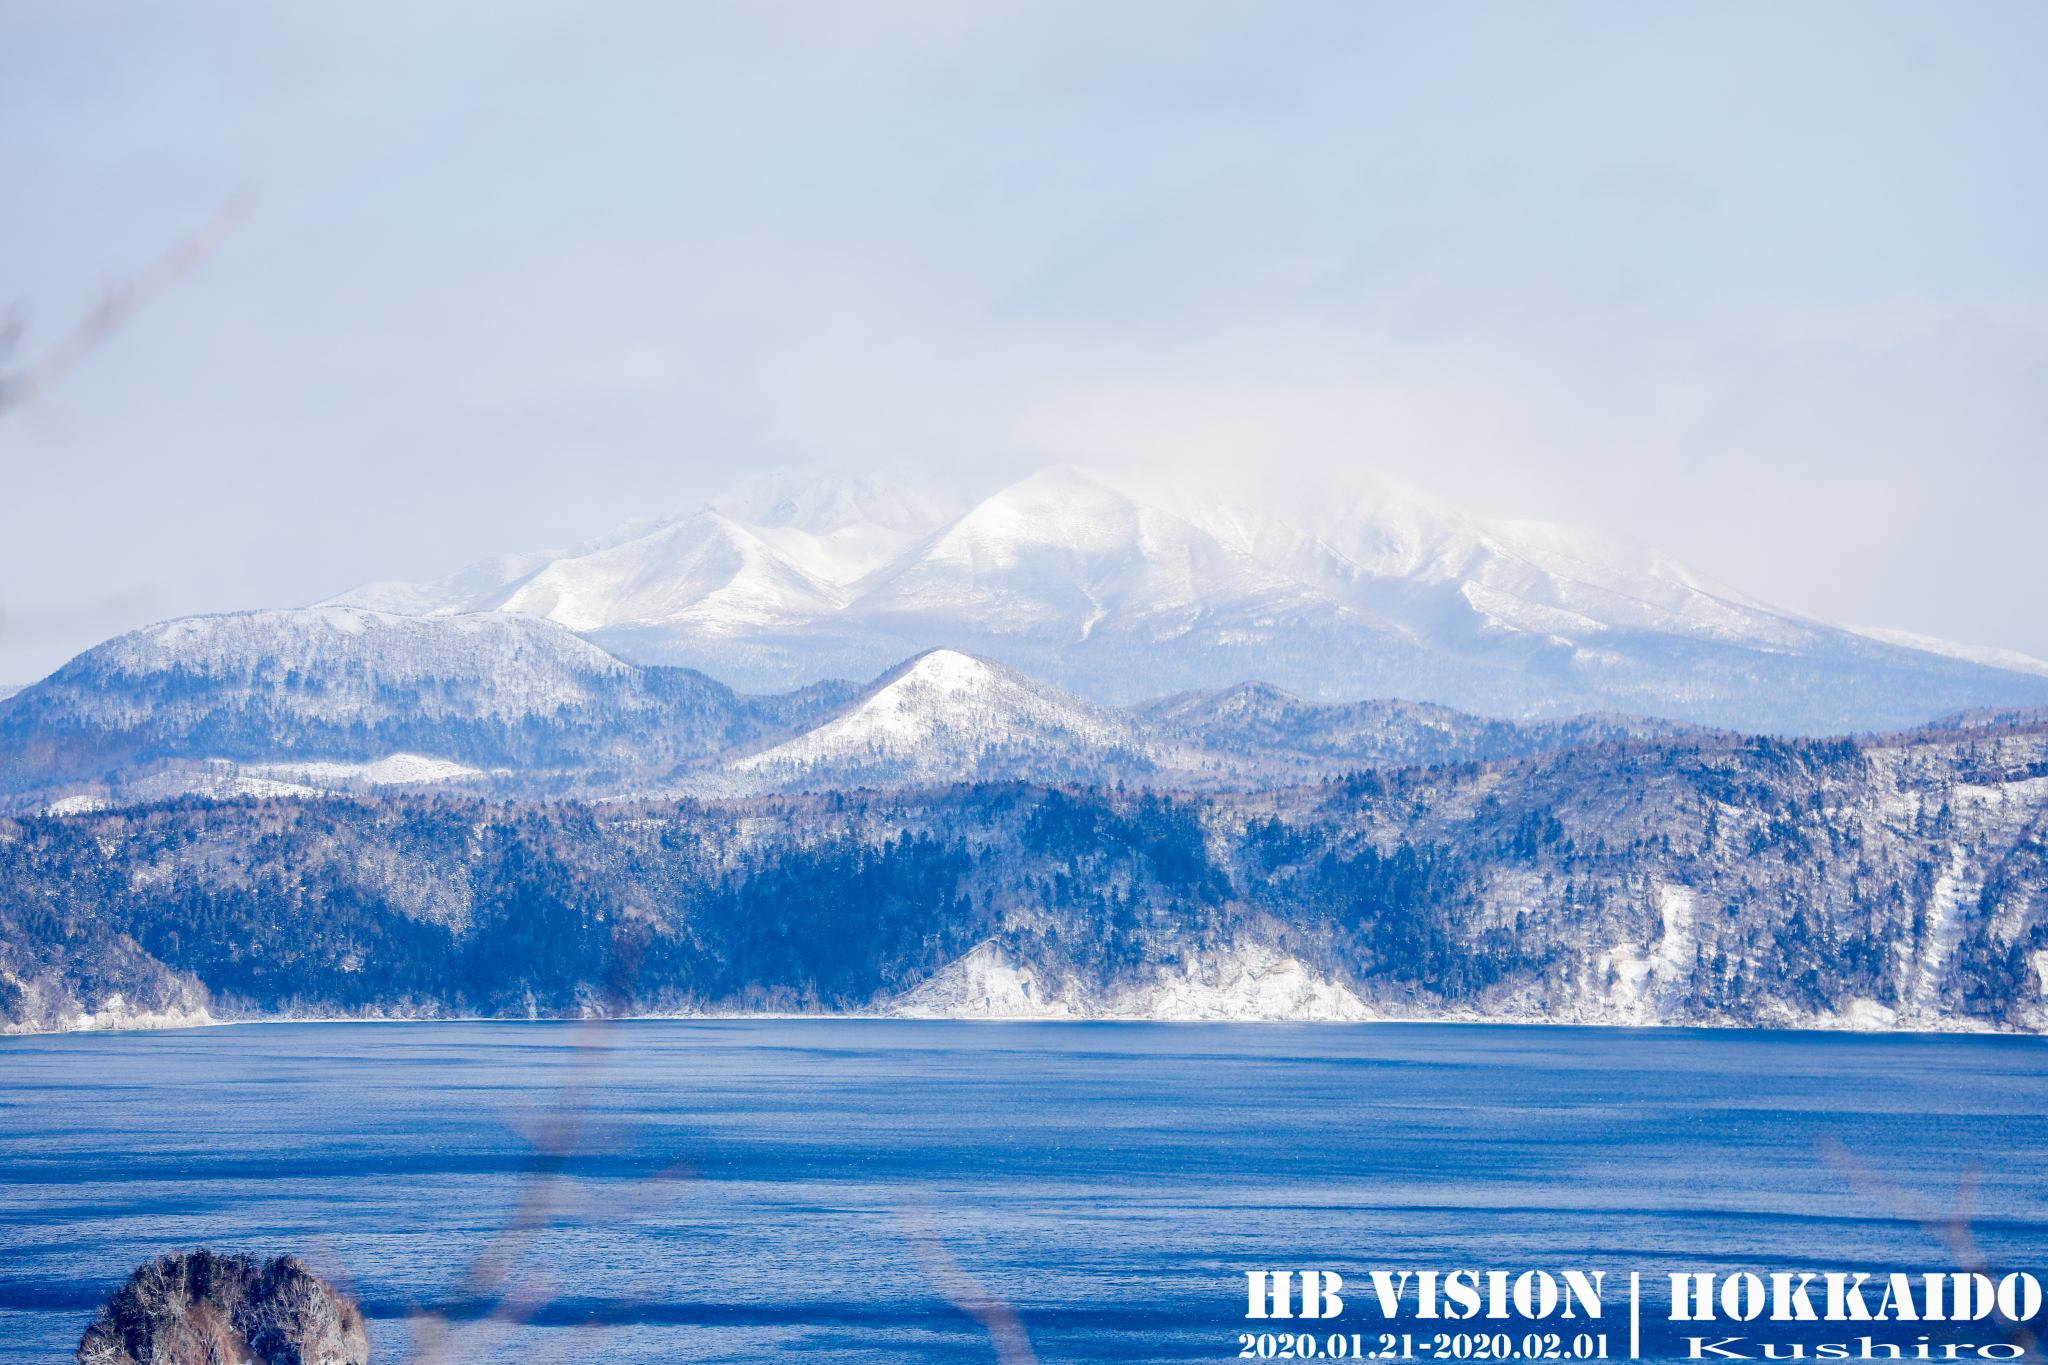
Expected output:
(957, 838)
(1058, 631)
(294, 703)
(1117, 595)
(1346, 755)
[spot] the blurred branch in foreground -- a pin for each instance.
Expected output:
(492, 1293)
(23, 386)
(1951, 1229)
(965, 1292)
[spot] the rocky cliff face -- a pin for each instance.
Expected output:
(198, 1308)
(1708, 879)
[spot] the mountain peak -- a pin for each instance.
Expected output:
(805, 498)
(946, 714)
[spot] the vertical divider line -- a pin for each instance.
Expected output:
(1635, 1305)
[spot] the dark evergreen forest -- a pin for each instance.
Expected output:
(1740, 881)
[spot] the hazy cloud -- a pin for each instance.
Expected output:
(1759, 285)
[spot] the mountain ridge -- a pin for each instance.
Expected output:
(346, 699)
(1332, 591)
(354, 686)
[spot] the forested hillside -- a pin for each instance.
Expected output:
(1901, 883)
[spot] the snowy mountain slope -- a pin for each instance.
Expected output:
(837, 530)
(475, 587)
(752, 586)
(1990, 656)
(1585, 621)
(1059, 555)
(331, 664)
(1432, 569)
(1118, 591)
(1396, 552)
(1116, 600)
(948, 717)
(780, 548)
(704, 574)
(840, 573)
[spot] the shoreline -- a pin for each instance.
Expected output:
(1958, 1029)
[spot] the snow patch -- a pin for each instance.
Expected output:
(393, 771)
(1868, 1014)
(1677, 903)
(77, 805)
(221, 779)
(1243, 982)
(1991, 656)
(1953, 894)
(114, 1012)
(984, 984)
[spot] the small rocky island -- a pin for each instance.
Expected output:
(199, 1308)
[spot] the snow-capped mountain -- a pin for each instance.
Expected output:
(1400, 554)
(1118, 592)
(766, 555)
(949, 717)
(1116, 599)
(753, 586)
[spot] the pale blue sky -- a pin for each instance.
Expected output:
(1760, 284)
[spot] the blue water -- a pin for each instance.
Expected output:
(742, 1191)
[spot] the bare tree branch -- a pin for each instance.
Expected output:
(492, 1277)
(113, 311)
(963, 1291)
(1952, 1229)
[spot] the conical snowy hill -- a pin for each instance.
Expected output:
(947, 717)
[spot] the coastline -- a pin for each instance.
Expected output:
(1462, 1018)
